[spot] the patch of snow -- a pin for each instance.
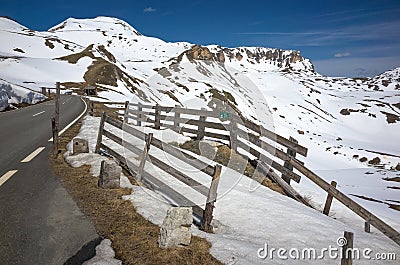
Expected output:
(12, 94)
(105, 255)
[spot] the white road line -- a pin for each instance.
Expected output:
(38, 113)
(68, 99)
(32, 155)
(6, 176)
(72, 122)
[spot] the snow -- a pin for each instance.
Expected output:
(43, 72)
(105, 255)
(245, 221)
(8, 24)
(12, 94)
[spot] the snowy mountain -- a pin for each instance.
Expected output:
(327, 114)
(349, 120)
(350, 125)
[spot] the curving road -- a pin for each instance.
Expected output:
(39, 221)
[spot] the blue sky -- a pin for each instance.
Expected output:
(342, 38)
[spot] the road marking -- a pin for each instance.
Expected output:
(38, 113)
(72, 122)
(32, 155)
(6, 176)
(68, 99)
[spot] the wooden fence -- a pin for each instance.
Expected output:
(251, 140)
(151, 181)
(113, 109)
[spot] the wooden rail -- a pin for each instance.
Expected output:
(96, 108)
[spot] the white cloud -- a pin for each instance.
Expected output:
(343, 54)
(149, 9)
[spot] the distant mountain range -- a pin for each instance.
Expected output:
(347, 120)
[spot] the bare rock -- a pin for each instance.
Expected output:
(374, 161)
(345, 112)
(175, 230)
(198, 52)
(80, 146)
(110, 174)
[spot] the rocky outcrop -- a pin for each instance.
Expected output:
(285, 59)
(282, 58)
(198, 52)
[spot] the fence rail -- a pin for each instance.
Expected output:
(246, 138)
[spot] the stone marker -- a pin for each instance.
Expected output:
(110, 174)
(80, 146)
(175, 230)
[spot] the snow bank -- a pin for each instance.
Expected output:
(105, 255)
(10, 94)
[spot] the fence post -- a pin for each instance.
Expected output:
(347, 254)
(56, 119)
(44, 91)
(329, 199)
(91, 107)
(100, 134)
(53, 129)
(201, 127)
(146, 149)
(211, 199)
(139, 114)
(126, 114)
(367, 227)
(157, 117)
(177, 116)
(287, 165)
(233, 133)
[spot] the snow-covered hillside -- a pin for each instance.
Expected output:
(330, 114)
(348, 124)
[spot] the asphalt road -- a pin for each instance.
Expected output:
(39, 221)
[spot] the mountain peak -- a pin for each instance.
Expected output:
(102, 23)
(9, 23)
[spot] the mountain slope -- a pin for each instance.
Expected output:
(328, 114)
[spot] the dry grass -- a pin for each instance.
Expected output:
(134, 238)
(226, 156)
(74, 58)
